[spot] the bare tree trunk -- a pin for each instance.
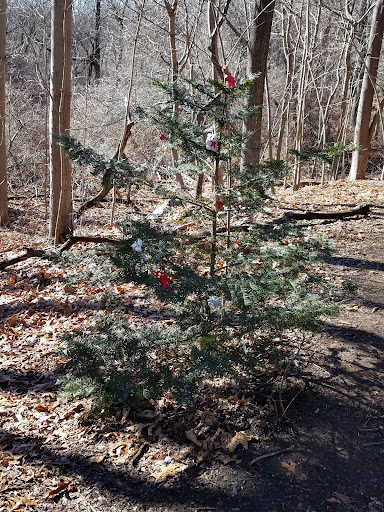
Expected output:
(363, 134)
(289, 58)
(171, 10)
(97, 50)
(60, 207)
(309, 42)
(258, 48)
(344, 105)
(3, 154)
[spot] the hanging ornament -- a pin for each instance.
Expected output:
(219, 205)
(211, 142)
(138, 245)
(214, 302)
(229, 80)
(162, 136)
(162, 278)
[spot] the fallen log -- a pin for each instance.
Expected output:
(30, 253)
(40, 253)
(306, 215)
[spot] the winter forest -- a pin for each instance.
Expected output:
(311, 56)
(191, 255)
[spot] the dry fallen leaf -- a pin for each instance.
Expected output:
(226, 459)
(99, 458)
(61, 486)
(238, 438)
(169, 470)
(191, 436)
(340, 498)
(290, 466)
(22, 501)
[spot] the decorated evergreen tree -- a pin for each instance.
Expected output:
(231, 284)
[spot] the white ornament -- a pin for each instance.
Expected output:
(211, 142)
(138, 245)
(214, 302)
(160, 210)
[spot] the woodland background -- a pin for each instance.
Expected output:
(308, 433)
(316, 61)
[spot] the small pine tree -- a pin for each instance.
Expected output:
(232, 286)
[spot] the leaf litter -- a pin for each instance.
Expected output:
(39, 433)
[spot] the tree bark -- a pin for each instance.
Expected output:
(60, 208)
(363, 134)
(258, 48)
(171, 10)
(3, 154)
(95, 57)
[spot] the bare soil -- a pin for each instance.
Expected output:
(310, 438)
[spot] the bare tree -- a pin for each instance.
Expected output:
(95, 57)
(3, 155)
(60, 207)
(363, 129)
(258, 48)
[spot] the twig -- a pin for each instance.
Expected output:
(268, 455)
(374, 444)
(90, 239)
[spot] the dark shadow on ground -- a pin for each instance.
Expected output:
(358, 263)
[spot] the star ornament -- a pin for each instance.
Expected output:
(214, 302)
(138, 245)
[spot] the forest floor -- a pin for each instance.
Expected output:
(232, 450)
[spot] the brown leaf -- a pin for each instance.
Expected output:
(23, 501)
(191, 436)
(290, 466)
(60, 487)
(340, 498)
(226, 459)
(168, 470)
(77, 408)
(99, 458)
(238, 438)
(346, 500)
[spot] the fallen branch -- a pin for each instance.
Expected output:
(108, 184)
(40, 253)
(268, 455)
(359, 210)
(88, 239)
(31, 253)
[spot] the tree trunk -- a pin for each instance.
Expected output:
(171, 10)
(3, 154)
(363, 134)
(60, 208)
(258, 47)
(289, 59)
(95, 58)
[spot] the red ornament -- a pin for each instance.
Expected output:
(162, 278)
(162, 136)
(228, 78)
(219, 205)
